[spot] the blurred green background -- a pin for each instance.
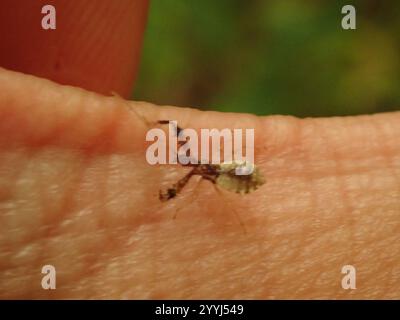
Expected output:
(272, 57)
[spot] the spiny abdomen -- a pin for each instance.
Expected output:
(240, 183)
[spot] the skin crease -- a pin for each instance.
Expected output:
(76, 192)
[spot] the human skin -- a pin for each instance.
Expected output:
(96, 44)
(77, 193)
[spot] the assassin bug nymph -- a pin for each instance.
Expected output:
(222, 175)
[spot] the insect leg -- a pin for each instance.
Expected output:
(193, 195)
(173, 191)
(178, 129)
(233, 209)
(212, 180)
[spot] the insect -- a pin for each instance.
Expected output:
(222, 175)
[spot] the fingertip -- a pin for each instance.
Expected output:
(96, 45)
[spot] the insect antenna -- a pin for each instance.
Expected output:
(130, 108)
